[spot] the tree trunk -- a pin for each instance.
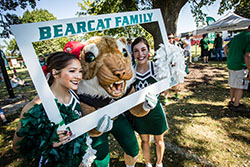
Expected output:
(154, 30)
(170, 10)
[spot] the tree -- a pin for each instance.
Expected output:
(41, 47)
(38, 15)
(90, 7)
(7, 19)
(243, 8)
(98, 7)
(170, 11)
(12, 48)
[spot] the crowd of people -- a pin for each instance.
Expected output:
(65, 68)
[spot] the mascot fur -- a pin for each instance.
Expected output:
(108, 76)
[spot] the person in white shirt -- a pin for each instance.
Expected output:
(15, 82)
(187, 48)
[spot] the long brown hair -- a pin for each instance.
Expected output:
(58, 61)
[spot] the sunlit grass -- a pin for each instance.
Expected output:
(201, 124)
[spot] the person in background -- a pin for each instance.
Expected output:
(171, 39)
(24, 64)
(20, 64)
(42, 60)
(14, 71)
(218, 42)
(204, 48)
(237, 52)
(15, 82)
(155, 122)
(187, 48)
(2, 116)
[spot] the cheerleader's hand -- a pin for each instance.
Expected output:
(150, 101)
(105, 124)
(64, 137)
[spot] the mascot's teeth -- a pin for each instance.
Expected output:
(116, 83)
(119, 82)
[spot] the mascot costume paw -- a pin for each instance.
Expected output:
(107, 76)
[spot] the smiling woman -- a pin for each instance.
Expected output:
(155, 122)
(40, 139)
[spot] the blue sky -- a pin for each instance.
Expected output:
(186, 21)
(62, 9)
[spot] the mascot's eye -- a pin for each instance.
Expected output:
(89, 57)
(124, 52)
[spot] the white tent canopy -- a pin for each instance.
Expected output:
(230, 21)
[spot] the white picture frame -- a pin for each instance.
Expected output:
(25, 34)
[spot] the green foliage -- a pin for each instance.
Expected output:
(50, 46)
(113, 6)
(227, 5)
(107, 6)
(196, 9)
(37, 16)
(42, 47)
(243, 8)
(12, 47)
(7, 18)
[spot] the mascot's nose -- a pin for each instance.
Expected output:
(120, 73)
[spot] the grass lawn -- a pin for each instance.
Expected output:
(203, 131)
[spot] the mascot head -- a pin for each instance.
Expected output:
(107, 67)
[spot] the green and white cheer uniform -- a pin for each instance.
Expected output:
(155, 121)
(39, 133)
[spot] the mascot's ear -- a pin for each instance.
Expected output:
(73, 47)
(123, 40)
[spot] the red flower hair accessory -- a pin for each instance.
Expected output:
(73, 47)
(44, 68)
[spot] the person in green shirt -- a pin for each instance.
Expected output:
(238, 63)
(218, 46)
(204, 48)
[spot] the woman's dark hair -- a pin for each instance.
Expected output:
(58, 61)
(204, 35)
(138, 40)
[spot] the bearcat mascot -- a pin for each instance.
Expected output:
(108, 76)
